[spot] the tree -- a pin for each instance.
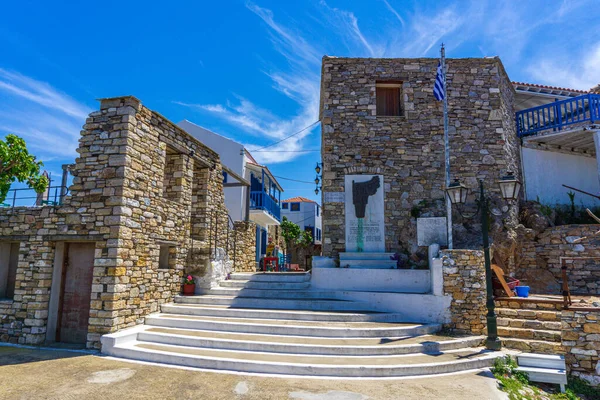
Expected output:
(16, 164)
(290, 232)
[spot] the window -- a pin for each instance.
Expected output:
(294, 206)
(316, 205)
(167, 257)
(284, 206)
(9, 259)
(389, 102)
(318, 234)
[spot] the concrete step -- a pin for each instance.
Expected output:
(530, 303)
(535, 334)
(271, 293)
(539, 315)
(311, 365)
(546, 375)
(306, 344)
(530, 324)
(365, 256)
(537, 346)
(223, 311)
(280, 277)
(264, 285)
(287, 304)
(373, 264)
(291, 327)
(551, 361)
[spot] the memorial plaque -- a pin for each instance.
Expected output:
(432, 230)
(334, 197)
(365, 218)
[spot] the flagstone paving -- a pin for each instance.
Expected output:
(59, 374)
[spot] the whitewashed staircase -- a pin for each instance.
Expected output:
(274, 323)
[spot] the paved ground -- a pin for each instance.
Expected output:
(58, 374)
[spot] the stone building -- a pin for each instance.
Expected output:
(379, 118)
(145, 206)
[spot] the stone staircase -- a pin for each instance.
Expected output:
(274, 323)
(530, 326)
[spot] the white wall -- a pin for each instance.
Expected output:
(546, 172)
(305, 217)
(232, 156)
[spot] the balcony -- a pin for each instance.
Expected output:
(557, 116)
(264, 209)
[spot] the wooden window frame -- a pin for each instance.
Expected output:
(393, 92)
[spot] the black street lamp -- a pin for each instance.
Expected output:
(317, 180)
(457, 193)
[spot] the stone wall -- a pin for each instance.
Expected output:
(140, 183)
(538, 261)
(581, 340)
(464, 281)
(408, 150)
(245, 246)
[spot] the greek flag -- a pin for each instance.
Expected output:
(438, 87)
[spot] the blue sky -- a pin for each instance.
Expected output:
(251, 70)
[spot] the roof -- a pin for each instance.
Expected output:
(298, 199)
(267, 171)
(555, 90)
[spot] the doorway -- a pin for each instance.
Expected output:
(76, 293)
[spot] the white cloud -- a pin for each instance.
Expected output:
(581, 72)
(50, 121)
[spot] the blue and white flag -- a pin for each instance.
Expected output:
(438, 87)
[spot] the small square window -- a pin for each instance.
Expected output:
(284, 206)
(389, 99)
(294, 206)
(167, 257)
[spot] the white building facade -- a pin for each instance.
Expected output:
(306, 214)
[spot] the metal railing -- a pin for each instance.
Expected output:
(27, 197)
(566, 291)
(263, 201)
(215, 238)
(558, 115)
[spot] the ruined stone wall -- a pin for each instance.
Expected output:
(581, 340)
(134, 189)
(244, 235)
(464, 281)
(538, 261)
(408, 150)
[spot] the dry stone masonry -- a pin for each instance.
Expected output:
(408, 149)
(143, 190)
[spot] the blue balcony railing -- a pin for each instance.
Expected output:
(262, 201)
(558, 115)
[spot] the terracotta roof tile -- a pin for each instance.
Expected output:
(549, 87)
(298, 199)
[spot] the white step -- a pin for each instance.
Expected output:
(302, 315)
(271, 293)
(264, 285)
(294, 364)
(366, 256)
(303, 344)
(288, 304)
(541, 361)
(372, 264)
(545, 375)
(279, 277)
(290, 327)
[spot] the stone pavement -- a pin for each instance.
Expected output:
(59, 374)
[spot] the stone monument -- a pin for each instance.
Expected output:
(364, 207)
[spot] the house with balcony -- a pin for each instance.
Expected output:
(252, 193)
(559, 129)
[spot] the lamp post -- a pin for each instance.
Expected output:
(457, 193)
(317, 178)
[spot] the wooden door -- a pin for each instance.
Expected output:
(76, 293)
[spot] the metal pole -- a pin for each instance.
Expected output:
(492, 342)
(447, 153)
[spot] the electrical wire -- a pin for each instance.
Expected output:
(287, 137)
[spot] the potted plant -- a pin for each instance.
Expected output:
(189, 286)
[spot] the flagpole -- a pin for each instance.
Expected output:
(446, 152)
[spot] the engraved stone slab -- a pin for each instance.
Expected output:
(334, 197)
(364, 209)
(432, 230)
